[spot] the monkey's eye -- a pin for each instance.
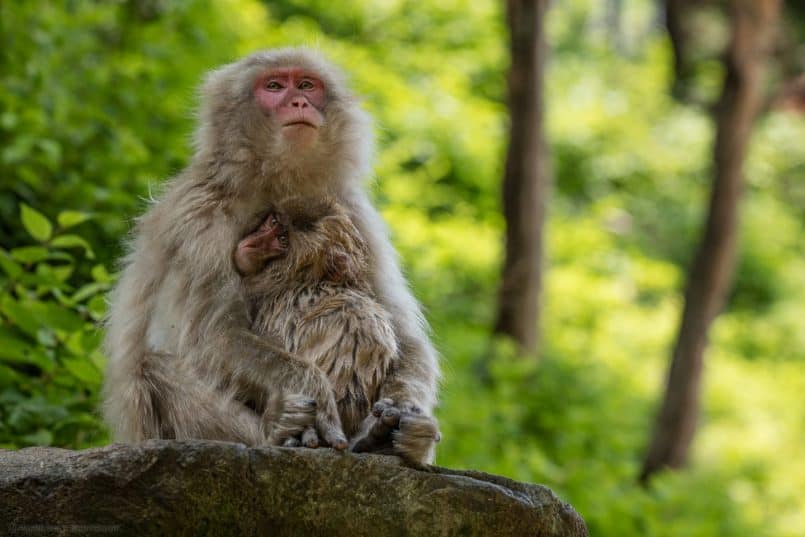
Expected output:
(306, 85)
(273, 85)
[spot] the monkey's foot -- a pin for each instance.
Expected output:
(401, 430)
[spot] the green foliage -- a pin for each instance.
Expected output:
(50, 364)
(97, 103)
(96, 109)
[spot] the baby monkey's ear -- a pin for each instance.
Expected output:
(340, 266)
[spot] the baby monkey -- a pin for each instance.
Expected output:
(307, 285)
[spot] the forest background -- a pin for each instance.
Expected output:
(96, 110)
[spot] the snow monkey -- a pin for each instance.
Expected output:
(316, 298)
(186, 358)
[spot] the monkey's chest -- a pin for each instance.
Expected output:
(346, 333)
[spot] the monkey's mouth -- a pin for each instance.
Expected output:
(300, 122)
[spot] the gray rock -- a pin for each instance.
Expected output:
(221, 488)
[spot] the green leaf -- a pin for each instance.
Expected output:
(9, 266)
(71, 218)
(97, 307)
(83, 370)
(88, 290)
(35, 223)
(29, 254)
(73, 241)
(16, 350)
(82, 343)
(52, 277)
(99, 274)
(20, 314)
(63, 272)
(56, 317)
(8, 376)
(58, 255)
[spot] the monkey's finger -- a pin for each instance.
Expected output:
(390, 418)
(382, 427)
(380, 406)
(331, 432)
(310, 438)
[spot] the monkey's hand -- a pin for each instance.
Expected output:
(398, 429)
(267, 242)
(288, 418)
(303, 420)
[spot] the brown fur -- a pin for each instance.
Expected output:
(318, 301)
(183, 355)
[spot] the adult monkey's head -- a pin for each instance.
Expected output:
(288, 113)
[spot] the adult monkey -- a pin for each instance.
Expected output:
(182, 356)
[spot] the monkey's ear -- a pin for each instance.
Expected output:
(339, 266)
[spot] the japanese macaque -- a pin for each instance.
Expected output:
(316, 298)
(187, 357)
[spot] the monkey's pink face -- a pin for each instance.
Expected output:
(293, 96)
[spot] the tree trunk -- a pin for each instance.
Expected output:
(753, 26)
(526, 177)
(677, 27)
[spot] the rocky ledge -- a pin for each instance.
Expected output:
(221, 488)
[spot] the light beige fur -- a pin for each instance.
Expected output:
(183, 354)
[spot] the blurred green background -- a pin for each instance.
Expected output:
(96, 108)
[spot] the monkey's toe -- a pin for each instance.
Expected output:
(310, 438)
(337, 442)
(330, 430)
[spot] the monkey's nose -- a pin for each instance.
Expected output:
(299, 102)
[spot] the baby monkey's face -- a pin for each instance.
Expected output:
(271, 238)
(315, 239)
(269, 241)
